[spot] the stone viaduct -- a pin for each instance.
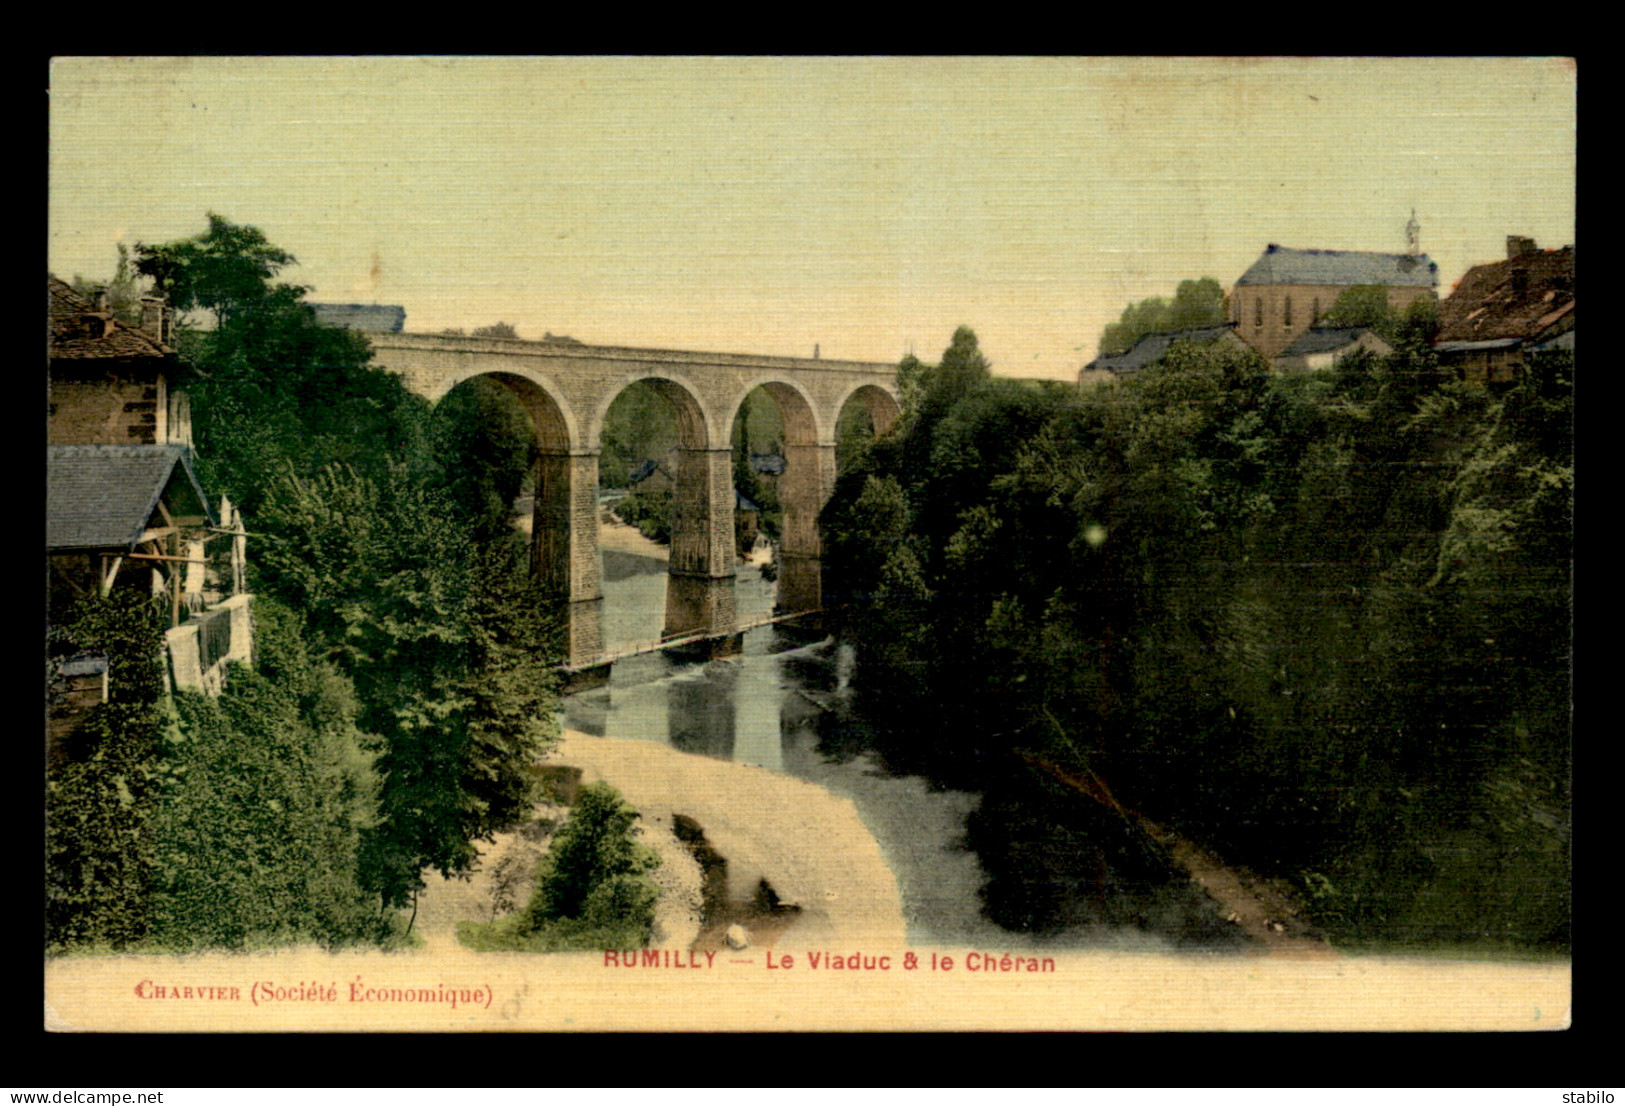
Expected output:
(568, 387)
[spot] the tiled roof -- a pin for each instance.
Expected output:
(1280, 265)
(1319, 339)
(1153, 347)
(79, 331)
(101, 496)
(1489, 302)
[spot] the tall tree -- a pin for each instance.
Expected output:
(1195, 303)
(223, 270)
(272, 387)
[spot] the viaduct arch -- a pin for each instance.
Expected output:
(567, 388)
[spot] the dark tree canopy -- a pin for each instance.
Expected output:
(221, 270)
(1319, 621)
(1362, 305)
(403, 688)
(1195, 303)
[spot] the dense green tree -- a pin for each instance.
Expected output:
(1316, 621)
(98, 839)
(390, 723)
(592, 891)
(592, 850)
(1368, 305)
(225, 270)
(639, 426)
(449, 646)
(99, 845)
(511, 687)
(1195, 303)
(268, 790)
(271, 387)
(485, 448)
(854, 434)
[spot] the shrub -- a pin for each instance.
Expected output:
(592, 888)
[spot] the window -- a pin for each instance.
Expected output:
(1258, 313)
(1286, 316)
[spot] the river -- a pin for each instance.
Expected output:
(767, 707)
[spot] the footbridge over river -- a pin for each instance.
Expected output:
(567, 388)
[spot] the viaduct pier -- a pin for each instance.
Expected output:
(567, 387)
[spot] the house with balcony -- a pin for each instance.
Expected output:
(124, 506)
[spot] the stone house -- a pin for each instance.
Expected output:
(652, 479)
(111, 384)
(124, 507)
(1500, 313)
(1285, 291)
(1321, 347)
(747, 524)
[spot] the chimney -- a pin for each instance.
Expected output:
(1517, 246)
(155, 317)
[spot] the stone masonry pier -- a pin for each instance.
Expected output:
(568, 387)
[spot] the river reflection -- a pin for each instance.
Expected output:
(785, 705)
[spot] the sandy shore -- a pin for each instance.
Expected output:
(615, 534)
(612, 533)
(810, 846)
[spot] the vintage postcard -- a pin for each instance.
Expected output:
(608, 544)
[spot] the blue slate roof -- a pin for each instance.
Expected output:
(770, 464)
(85, 664)
(1320, 339)
(1280, 265)
(1476, 347)
(102, 496)
(1153, 347)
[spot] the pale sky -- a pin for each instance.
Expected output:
(763, 205)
